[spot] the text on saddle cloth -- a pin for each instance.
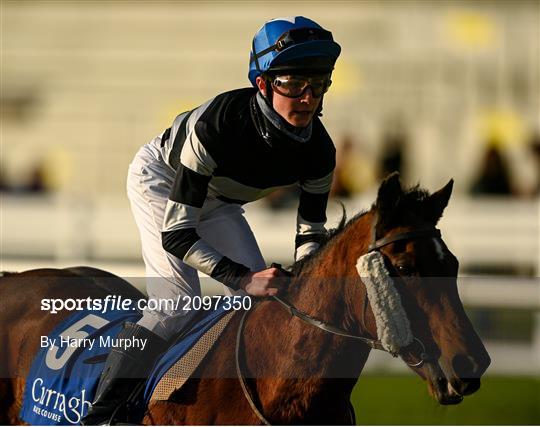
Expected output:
(65, 372)
(61, 383)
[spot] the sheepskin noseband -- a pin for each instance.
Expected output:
(393, 327)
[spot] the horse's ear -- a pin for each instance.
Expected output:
(438, 201)
(389, 192)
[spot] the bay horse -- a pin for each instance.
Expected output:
(276, 368)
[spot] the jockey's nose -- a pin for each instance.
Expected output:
(307, 96)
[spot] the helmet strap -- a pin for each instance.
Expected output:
(318, 112)
(269, 91)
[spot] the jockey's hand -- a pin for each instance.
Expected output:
(264, 283)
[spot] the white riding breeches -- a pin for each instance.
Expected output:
(221, 224)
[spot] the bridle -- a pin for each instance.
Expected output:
(373, 343)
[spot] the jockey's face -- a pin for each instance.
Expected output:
(296, 111)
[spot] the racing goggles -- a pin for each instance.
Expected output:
(293, 86)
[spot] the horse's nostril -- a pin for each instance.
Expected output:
(463, 366)
(471, 386)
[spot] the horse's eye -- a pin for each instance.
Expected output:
(403, 269)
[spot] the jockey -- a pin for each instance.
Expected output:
(187, 187)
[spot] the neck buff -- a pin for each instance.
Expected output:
(276, 121)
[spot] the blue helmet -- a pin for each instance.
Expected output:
(294, 43)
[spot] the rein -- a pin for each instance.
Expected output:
(245, 389)
(295, 312)
(375, 344)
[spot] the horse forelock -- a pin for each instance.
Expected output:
(409, 208)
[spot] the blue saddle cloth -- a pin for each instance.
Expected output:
(63, 379)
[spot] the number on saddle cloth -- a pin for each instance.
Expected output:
(62, 381)
(65, 372)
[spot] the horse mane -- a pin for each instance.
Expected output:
(409, 203)
(7, 273)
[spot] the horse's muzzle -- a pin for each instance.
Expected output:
(467, 367)
(447, 387)
(451, 382)
(465, 386)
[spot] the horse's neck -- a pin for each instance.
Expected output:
(329, 288)
(300, 356)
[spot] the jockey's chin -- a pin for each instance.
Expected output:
(300, 119)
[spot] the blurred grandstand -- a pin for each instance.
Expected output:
(431, 88)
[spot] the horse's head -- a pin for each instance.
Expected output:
(447, 352)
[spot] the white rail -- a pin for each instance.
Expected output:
(479, 231)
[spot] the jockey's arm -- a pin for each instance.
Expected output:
(179, 235)
(311, 218)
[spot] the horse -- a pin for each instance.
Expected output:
(295, 359)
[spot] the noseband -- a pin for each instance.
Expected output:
(375, 344)
(378, 244)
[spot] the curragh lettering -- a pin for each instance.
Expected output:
(72, 407)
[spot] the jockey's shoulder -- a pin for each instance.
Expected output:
(227, 112)
(234, 100)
